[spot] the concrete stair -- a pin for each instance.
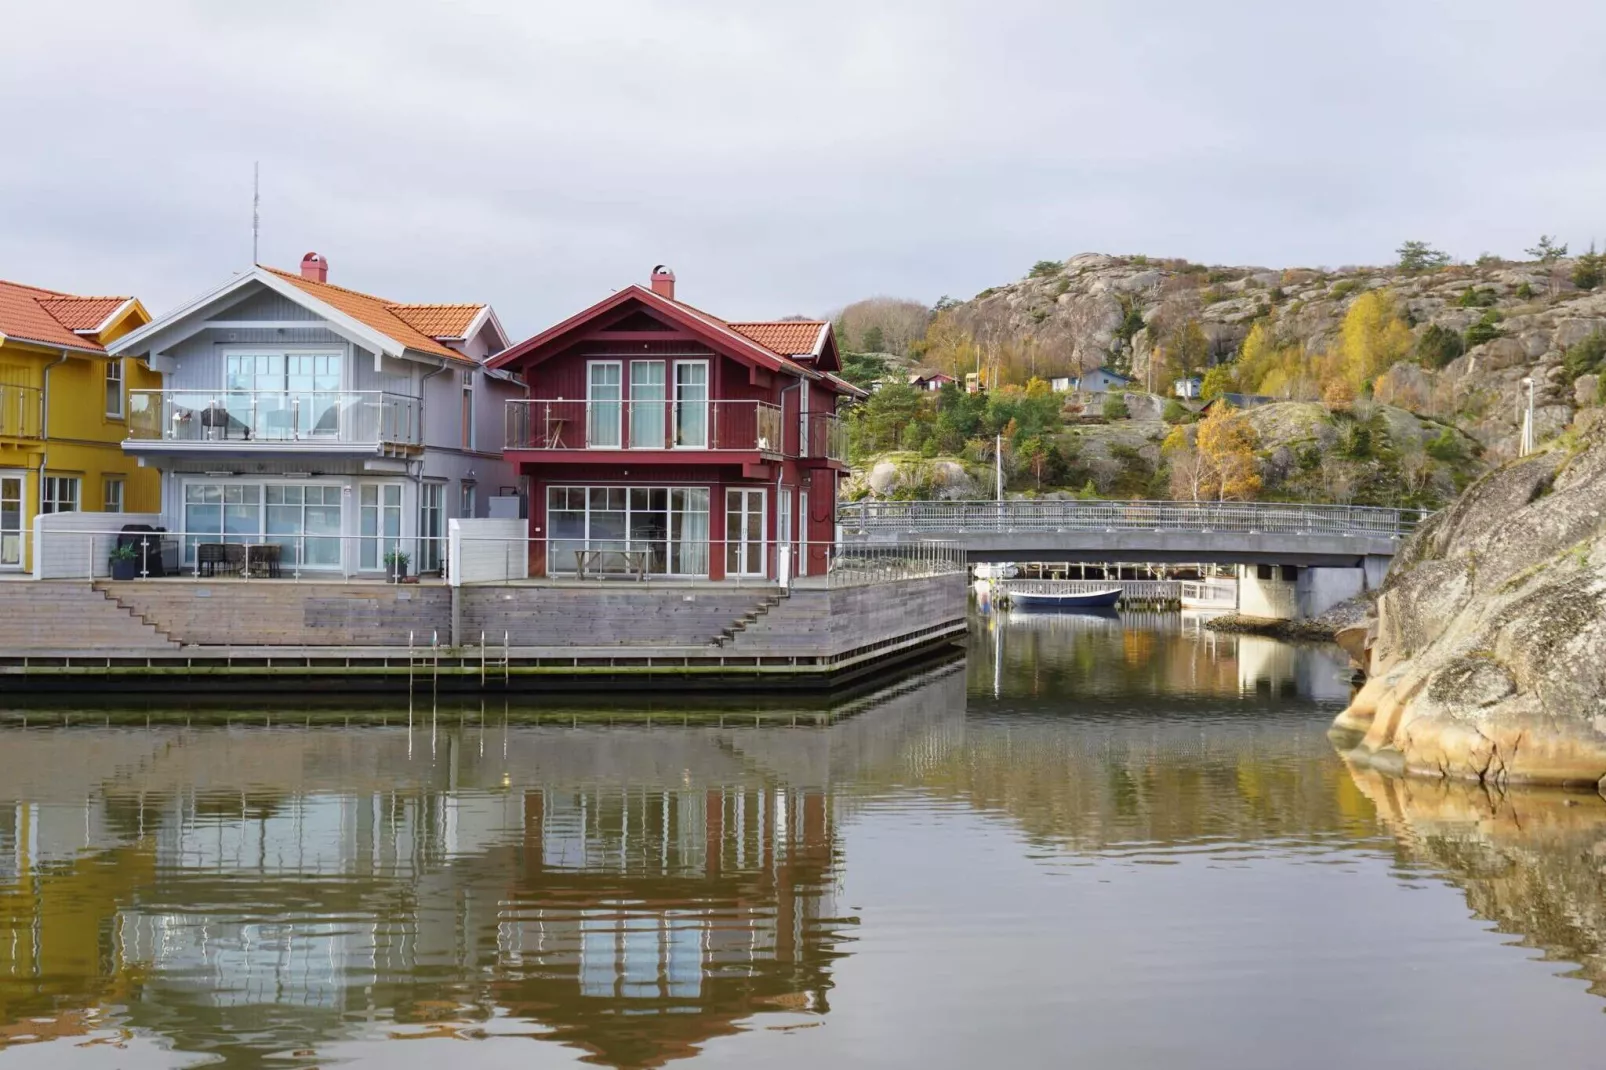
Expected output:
(609, 616)
(269, 613)
(749, 619)
(71, 615)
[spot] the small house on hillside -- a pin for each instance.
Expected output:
(930, 381)
(1239, 401)
(1188, 388)
(1100, 380)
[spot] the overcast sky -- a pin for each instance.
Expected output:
(782, 158)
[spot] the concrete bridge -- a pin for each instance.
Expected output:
(1293, 560)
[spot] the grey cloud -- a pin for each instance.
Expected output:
(783, 158)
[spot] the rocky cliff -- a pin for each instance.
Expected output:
(1490, 656)
(1095, 309)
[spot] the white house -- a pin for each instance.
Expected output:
(295, 411)
(1187, 388)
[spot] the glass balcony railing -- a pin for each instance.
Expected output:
(20, 412)
(737, 426)
(310, 417)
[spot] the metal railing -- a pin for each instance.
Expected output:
(558, 424)
(1133, 590)
(336, 417)
(20, 412)
(474, 559)
(827, 437)
(1040, 515)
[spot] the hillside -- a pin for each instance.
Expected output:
(1470, 333)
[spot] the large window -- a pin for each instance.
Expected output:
(61, 494)
(431, 526)
(647, 405)
(303, 519)
(114, 388)
(10, 521)
(669, 524)
(744, 532)
(691, 404)
(283, 395)
(603, 404)
(380, 516)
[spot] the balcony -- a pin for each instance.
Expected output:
(828, 439)
(273, 419)
(556, 426)
(20, 412)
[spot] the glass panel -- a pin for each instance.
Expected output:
(647, 415)
(602, 404)
(11, 520)
(566, 527)
(689, 532)
(691, 403)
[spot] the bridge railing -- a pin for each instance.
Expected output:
(862, 565)
(1040, 515)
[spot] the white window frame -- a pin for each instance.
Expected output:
(618, 403)
(745, 567)
(376, 542)
(114, 375)
(469, 428)
(663, 403)
(51, 499)
(559, 568)
(107, 502)
(708, 405)
(261, 485)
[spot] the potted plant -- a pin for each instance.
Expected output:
(396, 566)
(125, 562)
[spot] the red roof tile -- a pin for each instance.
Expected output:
(790, 338)
(439, 321)
(47, 317)
(386, 317)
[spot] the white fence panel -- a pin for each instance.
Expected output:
(64, 549)
(487, 551)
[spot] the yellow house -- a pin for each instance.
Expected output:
(63, 412)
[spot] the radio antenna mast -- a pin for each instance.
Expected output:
(256, 210)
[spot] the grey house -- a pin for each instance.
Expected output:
(342, 427)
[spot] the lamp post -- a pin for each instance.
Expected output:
(1528, 436)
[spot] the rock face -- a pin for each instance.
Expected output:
(1490, 656)
(1090, 311)
(907, 475)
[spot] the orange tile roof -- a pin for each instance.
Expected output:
(791, 338)
(439, 321)
(31, 314)
(376, 312)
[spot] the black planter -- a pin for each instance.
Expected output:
(125, 570)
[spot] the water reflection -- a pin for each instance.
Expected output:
(1118, 837)
(252, 893)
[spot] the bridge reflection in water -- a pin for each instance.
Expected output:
(302, 896)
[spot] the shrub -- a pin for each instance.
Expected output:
(1344, 287)
(1585, 357)
(1115, 407)
(1044, 268)
(1590, 269)
(1526, 290)
(1176, 412)
(1418, 256)
(1438, 346)
(1487, 329)
(1474, 297)
(1447, 448)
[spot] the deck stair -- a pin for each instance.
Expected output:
(71, 615)
(618, 614)
(750, 618)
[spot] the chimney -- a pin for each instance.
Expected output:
(663, 282)
(316, 268)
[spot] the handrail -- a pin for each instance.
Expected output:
(20, 412)
(563, 424)
(1051, 515)
(359, 417)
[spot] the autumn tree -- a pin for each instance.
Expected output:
(1372, 340)
(882, 325)
(1187, 467)
(1226, 446)
(1217, 381)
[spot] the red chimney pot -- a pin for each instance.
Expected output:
(663, 282)
(316, 268)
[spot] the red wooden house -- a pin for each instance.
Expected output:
(657, 437)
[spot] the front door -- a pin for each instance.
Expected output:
(744, 532)
(803, 533)
(10, 521)
(783, 536)
(430, 526)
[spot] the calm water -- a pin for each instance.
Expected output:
(1099, 842)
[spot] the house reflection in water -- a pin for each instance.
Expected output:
(628, 892)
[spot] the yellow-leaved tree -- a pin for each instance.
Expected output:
(1373, 339)
(1226, 445)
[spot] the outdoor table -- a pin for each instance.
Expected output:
(635, 561)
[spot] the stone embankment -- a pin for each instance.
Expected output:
(1489, 660)
(1331, 626)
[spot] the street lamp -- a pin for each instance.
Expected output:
(1528, 436)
